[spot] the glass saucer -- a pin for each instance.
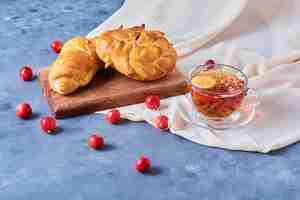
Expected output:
(239, 118)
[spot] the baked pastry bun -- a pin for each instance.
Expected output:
(75, 66)
(137, 53)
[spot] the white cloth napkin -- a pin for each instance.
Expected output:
(277, 79)
(189, 24)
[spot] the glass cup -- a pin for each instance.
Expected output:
(218, 98)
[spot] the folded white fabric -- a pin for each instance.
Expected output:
(188, 24)
(276, 123)
(277, 79)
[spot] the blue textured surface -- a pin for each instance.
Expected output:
(37, 166)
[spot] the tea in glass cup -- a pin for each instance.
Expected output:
(218, 91)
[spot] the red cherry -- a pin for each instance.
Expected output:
(113, 116)
(48, 124)
(96, 141)
(56, 46)
(162, 122)
(210, 63)
(152, 102)
(23, 110)
(142, 164)
(26, 73)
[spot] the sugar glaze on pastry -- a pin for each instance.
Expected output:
(75, 66)
(137, 53)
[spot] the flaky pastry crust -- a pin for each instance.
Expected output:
(75, 66)
(137, 53)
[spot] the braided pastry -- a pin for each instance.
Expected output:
(137, 53)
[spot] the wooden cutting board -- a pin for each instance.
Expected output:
(108, 90)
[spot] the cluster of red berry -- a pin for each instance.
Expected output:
(153, 103)
(49, 126)
(23, 110)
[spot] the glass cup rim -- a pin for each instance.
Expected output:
(245, 79)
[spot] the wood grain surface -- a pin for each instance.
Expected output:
(107, 90)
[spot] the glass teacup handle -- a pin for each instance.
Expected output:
(252, 98)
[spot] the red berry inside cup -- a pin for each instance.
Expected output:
(162, 122)
(24, 111)
(48, 124)
(210, 64)
(96, 142)
(56, 46)
(142, 164)
(113, 116)
(152, 102)
(26, 73)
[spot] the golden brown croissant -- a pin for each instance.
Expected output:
(137, 53)
(75, 66)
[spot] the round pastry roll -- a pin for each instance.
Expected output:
(138, 54)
